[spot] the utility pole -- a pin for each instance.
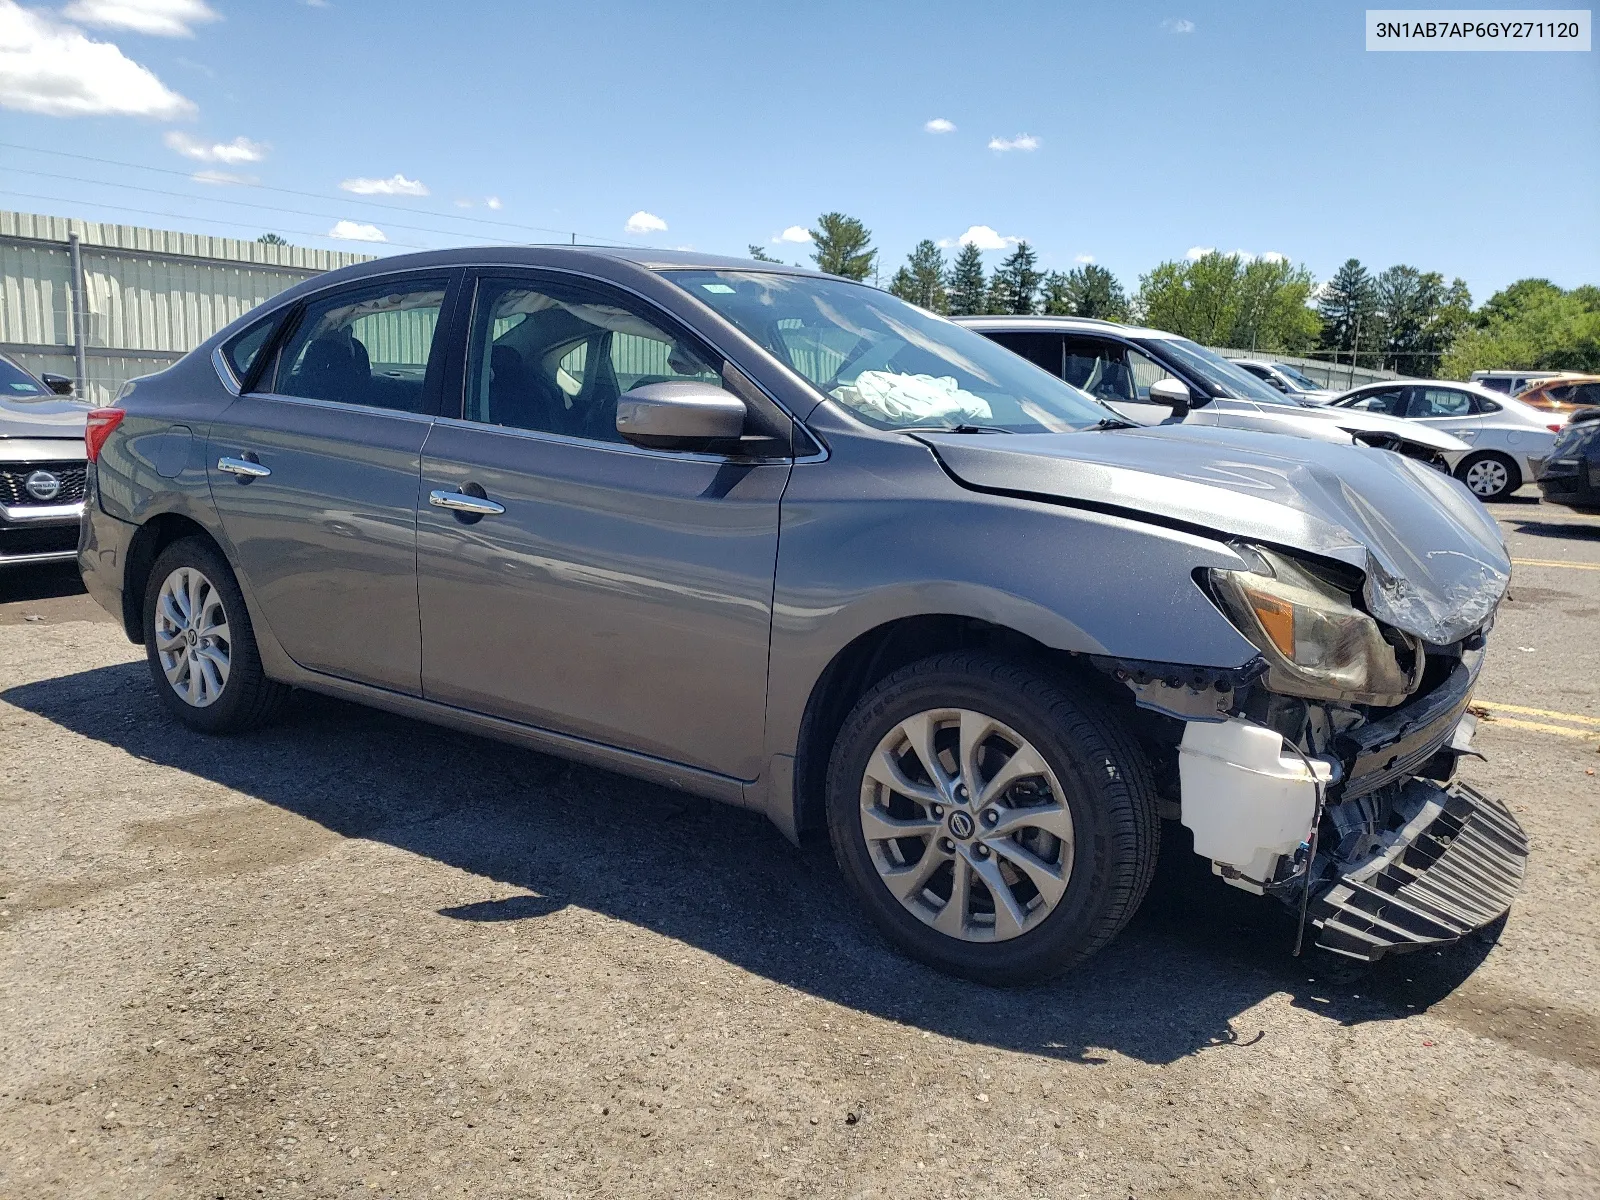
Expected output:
(80, 317)
(1354, 347)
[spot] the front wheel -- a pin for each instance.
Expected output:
(991, 825)
(200, 645)
(1489, 476)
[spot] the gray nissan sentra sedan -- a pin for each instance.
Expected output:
(782, 540)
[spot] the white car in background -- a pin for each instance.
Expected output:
(1287, 379)
(1509, 440)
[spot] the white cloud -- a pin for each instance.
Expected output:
(1178, 25)
(1243, 256)
(645, 222)
(356, 231)
(1023, 141)
(1084, 259)
(940, 125)
(797, 234)
(240, 150)
(396, 185)
(55, 70)
(223, 177)
(985, 238)
(315, 3)
(1195, 252)
(494, 203)
(1274, 256)
(465, 203)
(158, 18)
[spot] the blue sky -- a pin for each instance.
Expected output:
(1154, 129)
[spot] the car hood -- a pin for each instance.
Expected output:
(1435, 562)
(42, 416)
(1354, 421)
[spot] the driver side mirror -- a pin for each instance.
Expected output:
(1173, 394)
(59, 384)
(680, 416)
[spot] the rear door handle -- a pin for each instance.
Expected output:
(461, 502)
(243, 468)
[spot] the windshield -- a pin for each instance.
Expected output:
(14, 381)
(1221, 377)
(892, 365)
(1303, 382)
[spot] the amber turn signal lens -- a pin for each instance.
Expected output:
(1277, 619)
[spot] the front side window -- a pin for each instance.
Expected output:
(555, 356)
(367, 346)
(890, 364)
(1386, 400)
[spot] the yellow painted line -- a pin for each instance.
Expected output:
(1539, 727)
(1572, 718)
(1550, 562)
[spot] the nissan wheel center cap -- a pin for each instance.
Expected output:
(43, 486)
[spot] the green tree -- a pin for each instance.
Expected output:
(1224, 300)
(1086, 291)
(1419, 317)
(760, 255)
(1015, 285)
(1348, 307)
(922, 280)
(1531, 324)
(843, 246)
(271, 239)
(968, 287)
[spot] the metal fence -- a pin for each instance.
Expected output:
(1334, 375)
(105, 303)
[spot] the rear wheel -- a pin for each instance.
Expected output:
(991, 825)
(1490, 476)
(200, 645)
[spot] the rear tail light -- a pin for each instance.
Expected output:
(101, 422)
(1555, 428)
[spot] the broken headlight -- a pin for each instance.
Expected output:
(1316, 642)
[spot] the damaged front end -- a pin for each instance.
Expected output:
(1324, 774)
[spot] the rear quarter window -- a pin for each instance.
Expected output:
(244, 351)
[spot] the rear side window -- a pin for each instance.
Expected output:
(368, 346)
(1041, 349)
(244, 350)
(1439, 402)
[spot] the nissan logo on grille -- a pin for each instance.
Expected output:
(43, 486)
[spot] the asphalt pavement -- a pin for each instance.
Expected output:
(353, 955)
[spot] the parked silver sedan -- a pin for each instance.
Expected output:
(41, 467)
(1509, 439)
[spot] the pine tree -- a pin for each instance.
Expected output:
(1349, 309)
(1015, 285)
(921, 280)
(271, 239)
(760, 255)
(843, 246)
(968, 288)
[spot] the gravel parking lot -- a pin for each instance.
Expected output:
(357, 956)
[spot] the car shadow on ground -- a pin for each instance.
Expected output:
(40, 583)
(1197, 957)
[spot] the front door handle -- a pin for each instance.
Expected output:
(243, 468)
(463, 503)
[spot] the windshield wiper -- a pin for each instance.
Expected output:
(1113, 423)
(952, 429)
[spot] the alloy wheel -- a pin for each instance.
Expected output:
(192, 639)
(1487, 476)
(967, 825)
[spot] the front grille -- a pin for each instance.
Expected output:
(14, 478)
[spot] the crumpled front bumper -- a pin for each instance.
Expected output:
(1454, 866)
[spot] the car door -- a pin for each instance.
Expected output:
(595, 588)
(315, 478)
(1447, 409)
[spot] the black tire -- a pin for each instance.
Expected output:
(1513, 477)
(247, 698)
(1109, 792)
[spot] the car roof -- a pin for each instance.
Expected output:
(575, 255)
(1565, 379)
(1022, 324)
